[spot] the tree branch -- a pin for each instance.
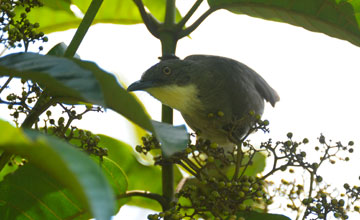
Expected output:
(160, 199)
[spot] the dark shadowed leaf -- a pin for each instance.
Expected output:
(67, 165)
(335, 18)
(75, 81)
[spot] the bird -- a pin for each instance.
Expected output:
(213, 94)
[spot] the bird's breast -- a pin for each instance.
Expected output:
(183, 98)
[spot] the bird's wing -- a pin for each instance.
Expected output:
(264, 89)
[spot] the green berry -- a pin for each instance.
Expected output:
(214, 145)
(138, 148)
(211, 159)
(319, 179)
(220, 113)
(61, 120)
(242, 207)
(289, 135)
(48, 113)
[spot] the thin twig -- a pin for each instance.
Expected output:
(248, 163)
(239, 158)
(6, 83)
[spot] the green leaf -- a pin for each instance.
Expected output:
(115, 176)
(56, 16)
(335, 18)
(67, 165)
(30, 193)
(140, 176)
(172, 139)
(74, 80)
(261, 216)
(257, 166)
(125, 11)
(60, 5)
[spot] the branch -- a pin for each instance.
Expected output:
(160, 199)
(150, 22)
(191, 28)
(6, 83)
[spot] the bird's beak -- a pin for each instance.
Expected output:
(140, 85)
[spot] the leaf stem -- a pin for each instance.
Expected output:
(83, 28)
(150, 22)
(185, 19)
(192, 27)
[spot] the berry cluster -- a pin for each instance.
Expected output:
(16, 29)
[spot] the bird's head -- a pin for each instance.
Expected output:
(170, 82)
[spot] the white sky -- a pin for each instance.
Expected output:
(317, 77)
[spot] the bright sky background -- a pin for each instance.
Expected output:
(316, 76)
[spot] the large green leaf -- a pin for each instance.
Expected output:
(262, 216)
(54, 16)
(336, 18)
(67, 165)
(57, 17)
(115, 176)
(140, 176)
(61, 5)
(74, 80)
(30, 193)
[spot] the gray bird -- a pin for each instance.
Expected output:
(213, 94)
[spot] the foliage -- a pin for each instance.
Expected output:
(50, 168)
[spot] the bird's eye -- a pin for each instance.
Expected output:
(166, 70)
